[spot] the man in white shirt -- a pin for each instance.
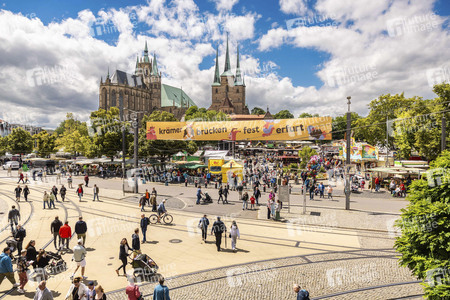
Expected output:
(42, 292)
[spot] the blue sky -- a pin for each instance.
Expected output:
(299, 63)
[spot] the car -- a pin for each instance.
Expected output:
(13, 164)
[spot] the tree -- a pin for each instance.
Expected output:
(161, 148)
(45, 143)
(202, 114)
(283, 114)
(258, 111)
(339, 125)
(19, 141)
(372, 129)
(305, 154)
(307, 115)
(425, 230)
(3, 143)
(70, 133)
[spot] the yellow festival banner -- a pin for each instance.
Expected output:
(318, 128)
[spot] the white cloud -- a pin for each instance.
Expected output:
(295, 7)
(225, 4)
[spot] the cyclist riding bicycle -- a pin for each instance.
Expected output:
(161, 209)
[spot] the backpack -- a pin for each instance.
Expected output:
(303, 294)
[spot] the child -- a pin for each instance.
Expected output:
(330, 192)
(252, 202)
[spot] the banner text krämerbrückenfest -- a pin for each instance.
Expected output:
(318, 128)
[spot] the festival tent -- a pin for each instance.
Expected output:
(230, 168)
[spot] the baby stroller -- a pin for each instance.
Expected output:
(355, 186)
(12, 244)
(207, 198)
(143, 267)
(56, 264)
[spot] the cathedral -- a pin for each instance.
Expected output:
(142, 91)
(228, 90)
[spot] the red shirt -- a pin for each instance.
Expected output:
(65, 232)
(377, 181)
(132, 292)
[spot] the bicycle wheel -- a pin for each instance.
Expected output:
(153, 219)
(168, 219)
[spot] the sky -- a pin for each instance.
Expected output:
(304, 56)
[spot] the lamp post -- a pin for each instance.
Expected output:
(347, 163)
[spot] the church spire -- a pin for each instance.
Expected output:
(154, 66)
(146, 53)
(216, 72)
(238, 79)
(107, 77)
(227, 59)
(137, 63)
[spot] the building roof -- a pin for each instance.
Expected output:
(120, 77)
(172, 96)
(234, 117)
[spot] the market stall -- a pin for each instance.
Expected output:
(230, 170)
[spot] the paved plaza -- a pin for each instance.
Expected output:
(333, 253)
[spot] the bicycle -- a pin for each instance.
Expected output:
(166, 218)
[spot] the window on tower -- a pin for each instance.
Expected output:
(237, 91)
(217, 90)
(226, 88)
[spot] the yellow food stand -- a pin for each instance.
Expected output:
(230, 168)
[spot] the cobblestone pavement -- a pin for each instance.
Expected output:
(320, 274)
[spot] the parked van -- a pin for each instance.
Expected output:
(13, 164)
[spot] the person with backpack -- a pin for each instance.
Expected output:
(301, 293)
(95, 190)
(218, 228)
(55, 192)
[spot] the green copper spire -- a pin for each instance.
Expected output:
(216, 72)
(154, 66)
(227, 59)
(107, 77)
(238, 79)
(146, 53)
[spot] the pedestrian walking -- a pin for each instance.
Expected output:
(21, 178)
(79, 256)
(6, 269)
(257, 195)
(220, 195)
(153, 202)
(46, 199)
(80, 191)
(330, 192)
(42, 292)
(244, 201)
(19, 236)
(26, 192)
(80, 229)
(54, 228)
(147, 197)
(22, 268)
(142, 202)
(132, 290)
(32, 253)
(252, 202)
(18, 191)
(161, 291)
(123, 254)
(62, 192)
(218, 229)
(240, 189)
(91, 293)
(312, 189)
(77, 290)
(203, 225)
(226, 191)
(135, 243)
(52, 200)
(199, 194)
(100, 293)
(69, 182)
(278, 207)
(9, 173)
(321, 190)
(86, 180)
(13, 218)
(269, 205)
(301, 293)
(144, 223)
(95, 190)
(65, 233)
(55, 192)
(234, 234)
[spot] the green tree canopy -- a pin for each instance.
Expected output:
(19, 141)
(308, 115)
(45, 143)
(70, 134)
(283, 114)
(339, 125)
(257, 111)
(305, 154)
(424, 243)
(202, 114)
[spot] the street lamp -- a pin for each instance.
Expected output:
(347, 163)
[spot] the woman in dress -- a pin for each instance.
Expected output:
(234, 234)
(123, 254)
